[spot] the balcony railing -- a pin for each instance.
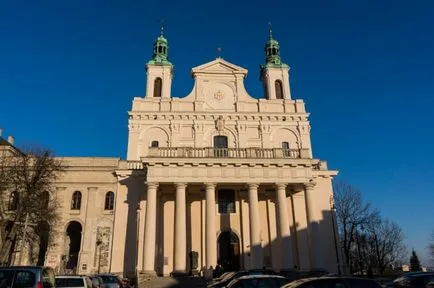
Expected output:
(262, 153)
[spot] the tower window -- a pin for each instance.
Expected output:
(154, 144)
(109, 200)
(13, 201)
(76, 201)
(45, 200)
(160, 49)
(279, 89)
(157, 87)
(226, 201)
(273, 51)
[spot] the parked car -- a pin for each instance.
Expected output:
(27, 277)
(71, 281)
(97, 282)
(333, 282)
(258, 281)
(413, 280)
(225, 281)
(111, 280)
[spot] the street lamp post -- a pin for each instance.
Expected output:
(333, 209)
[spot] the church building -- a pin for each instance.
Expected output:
(215, 177)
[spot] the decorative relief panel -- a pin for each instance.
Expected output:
(101, 261)
(219, 96)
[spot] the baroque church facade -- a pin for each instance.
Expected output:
(216, 177)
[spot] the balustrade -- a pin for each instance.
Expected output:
(191, 152)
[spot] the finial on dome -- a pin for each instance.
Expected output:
(162, 27)
(270, 30)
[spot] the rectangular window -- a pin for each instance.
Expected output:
(226, 201)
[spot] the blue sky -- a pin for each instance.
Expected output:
(69, 71)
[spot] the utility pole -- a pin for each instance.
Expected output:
(332, 210)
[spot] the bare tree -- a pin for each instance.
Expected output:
(29, 207)
(386, 244)
(352, 214)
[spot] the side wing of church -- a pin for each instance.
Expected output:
(216, 177)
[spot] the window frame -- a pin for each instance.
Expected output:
(158, 83)
(76, 200)
(109, 201)
(226, 209)
(278, 86)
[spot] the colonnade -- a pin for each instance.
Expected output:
(180, 253)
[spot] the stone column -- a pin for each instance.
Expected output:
(285, 235)
(211, 239)
(150, 229)
(180, 229)
(255, 228)
(311, 225)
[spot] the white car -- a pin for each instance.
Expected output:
(70, 281)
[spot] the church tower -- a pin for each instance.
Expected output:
(159, 70)
(275, 73)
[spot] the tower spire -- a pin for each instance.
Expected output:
(270, 30)
(272, 50)
(162, 27)
(161, 47)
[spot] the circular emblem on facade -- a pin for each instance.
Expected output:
(219, 95)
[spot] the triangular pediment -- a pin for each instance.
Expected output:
(218, 66)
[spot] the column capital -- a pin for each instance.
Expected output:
(152, 185)
(253, 185)
(309, 185)
(181, 185)
(210, 185)
(281, 186)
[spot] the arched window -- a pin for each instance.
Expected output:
(76, 201)
(45, 200)
(109, 201)
(13, 201)
(226, 201)
(279, 89)
(158, 83)
(154, 144)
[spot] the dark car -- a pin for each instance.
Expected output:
(27, 277)
(225, 281)
(258, 281)
(111, 280)
(413, 280)
(334, 282)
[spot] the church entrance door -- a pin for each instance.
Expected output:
(228, 247)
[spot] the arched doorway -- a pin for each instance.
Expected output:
(228, 247)
(74, 233)
(43, 231)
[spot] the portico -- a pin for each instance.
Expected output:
(264, 242)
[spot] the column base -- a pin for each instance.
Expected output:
(144, 276)
(317, 272)
(179, 274)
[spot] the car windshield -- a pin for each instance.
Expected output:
(6, 277)
(69, 282)
(109, 279)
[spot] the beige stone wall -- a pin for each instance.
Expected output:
(93, 177)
